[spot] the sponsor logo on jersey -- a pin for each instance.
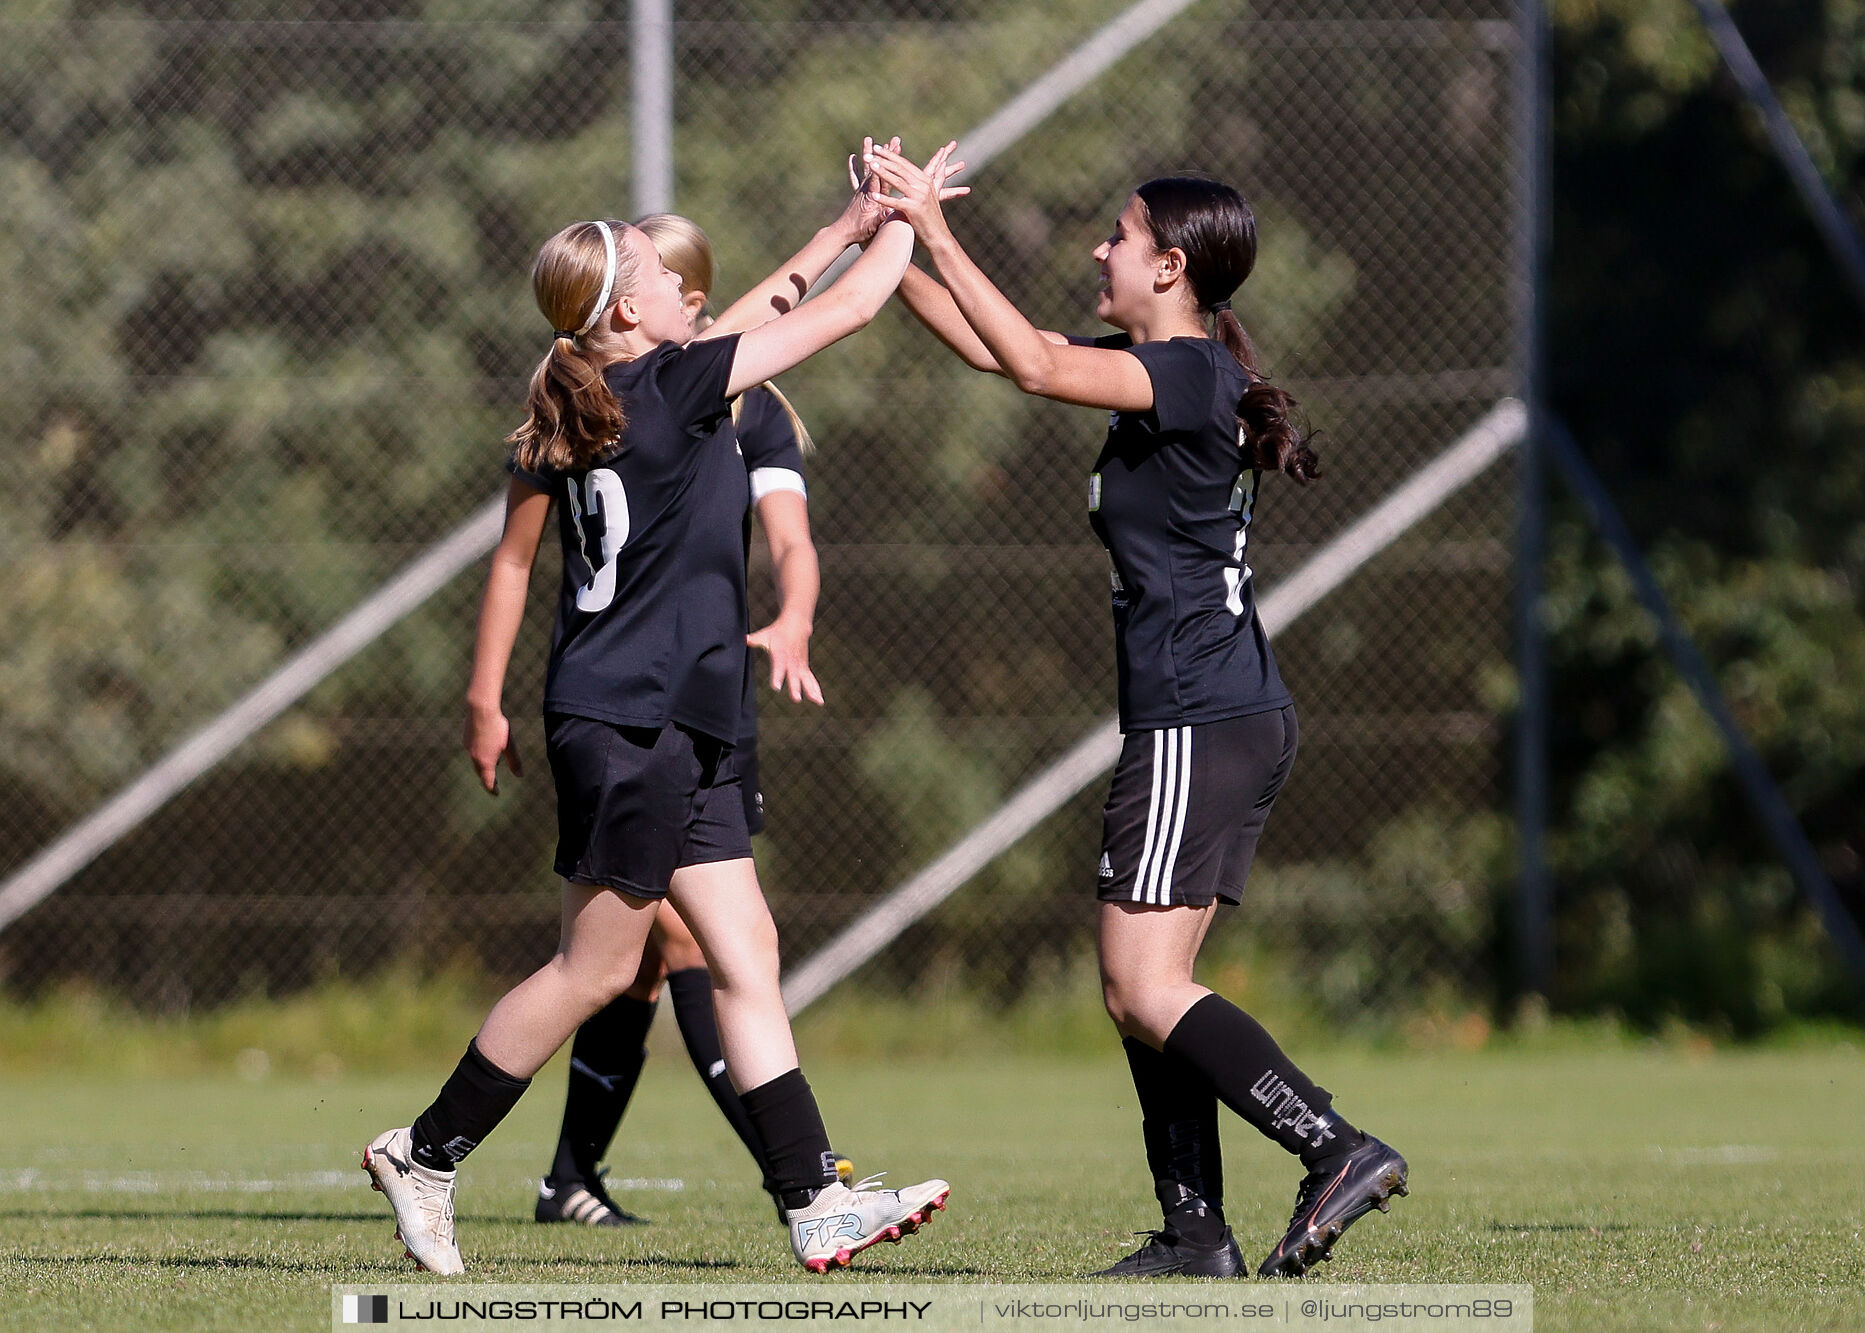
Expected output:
(1107, 867)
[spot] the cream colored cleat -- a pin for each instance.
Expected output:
(843, 1220)
(422, 1199)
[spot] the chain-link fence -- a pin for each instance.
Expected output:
(265, 270)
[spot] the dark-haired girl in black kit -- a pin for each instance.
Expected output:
(1210, 729)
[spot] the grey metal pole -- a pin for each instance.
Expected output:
(1764, 794)
(651, 71)
(1838, 231)
(1534, 917)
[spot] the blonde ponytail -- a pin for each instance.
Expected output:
(572, 418)
(805, 443)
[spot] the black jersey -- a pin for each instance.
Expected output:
(651, 616)
(774, 462)
(1171, 498)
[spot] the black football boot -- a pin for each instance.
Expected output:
(1167, 1254)
(1332, 1200)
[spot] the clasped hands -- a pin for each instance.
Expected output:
(916, 192)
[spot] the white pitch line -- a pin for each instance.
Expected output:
(34, 1181)
(1728, 1154)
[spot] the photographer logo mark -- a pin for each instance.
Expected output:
(365, 1309)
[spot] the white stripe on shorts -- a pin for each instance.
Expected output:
(1184, 804)
(1152, 820)
(1165, 815)
(1168, 806)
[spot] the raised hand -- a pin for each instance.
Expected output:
(866, 209)
(921, 190)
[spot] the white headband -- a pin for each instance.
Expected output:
(608, 279)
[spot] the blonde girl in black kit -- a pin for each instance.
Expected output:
(1210, 730)
(608, 1051)
(629, 432)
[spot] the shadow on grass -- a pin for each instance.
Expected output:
(256, 1214)
(172, 1214)
(568, 1263)
(1593, 1227)
(236, 1214)
(231, 1261)
(247, 1261)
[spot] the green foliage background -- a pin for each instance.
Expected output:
(268, 320)
(1708, 357)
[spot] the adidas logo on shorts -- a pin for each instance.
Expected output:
(1107, 867)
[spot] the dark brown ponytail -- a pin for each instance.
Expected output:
(1264, 413)
(1213, 226)
(572, 416)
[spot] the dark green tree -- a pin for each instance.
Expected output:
(1712, 364)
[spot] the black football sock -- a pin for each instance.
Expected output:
(691, 988)
(1179, 1122)
(475, 1097)
(788, 1123)
(605, 1065)
(1252, 1076)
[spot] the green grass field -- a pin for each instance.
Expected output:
(1636, 1188)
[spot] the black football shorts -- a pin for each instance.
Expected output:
(745, 755)
(634, 804)
(1187, 806)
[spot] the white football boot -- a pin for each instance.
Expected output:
(421, 1197)
(842, 1220)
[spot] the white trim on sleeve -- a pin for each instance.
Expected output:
(768, 480)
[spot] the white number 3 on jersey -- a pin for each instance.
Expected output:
(1242, 503)
(599, 509)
